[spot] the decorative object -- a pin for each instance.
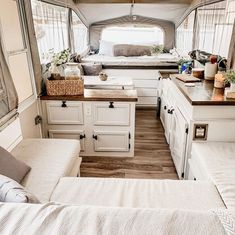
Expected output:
(103, 76)
(230, 78)
(210, 71)
(65, 87)
(198, 73)
(219, 80)
(72, 72)
(57, 61)
(157, 49)
(92, 69)
(185, 66)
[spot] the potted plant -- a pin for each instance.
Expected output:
(57, 62)
(157, 49)
(230, 78)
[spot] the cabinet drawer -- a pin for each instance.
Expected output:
(69, 134)
(147, 101)
(146, 83)
(111, 141)
(115, 114)
(72, 113)
(147, 92)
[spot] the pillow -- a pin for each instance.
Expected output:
(91, 69)
(106, 48)
(11, 191)
(131, 50)
(11, 167)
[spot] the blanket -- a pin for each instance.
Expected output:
(88, 220)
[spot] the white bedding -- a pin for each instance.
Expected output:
(49, 160)
(132, 61)
(218, 161)
(137, 193)
(86, 220)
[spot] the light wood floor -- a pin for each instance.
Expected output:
(152, 155)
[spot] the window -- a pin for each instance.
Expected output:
(214, 28)
(51, 27)
(79, 34)
(184, 35)
(134, 35)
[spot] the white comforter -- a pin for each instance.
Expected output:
(85, 220)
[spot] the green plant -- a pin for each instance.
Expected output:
(230, 76)
(61, 58)
(157, 49)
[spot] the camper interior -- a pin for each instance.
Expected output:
(117, 117)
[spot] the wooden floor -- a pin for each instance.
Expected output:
(152, 155)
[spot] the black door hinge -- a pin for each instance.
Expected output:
(129, 135)
(129, 146)
(182, 175)
(186, 131)
(38, 120)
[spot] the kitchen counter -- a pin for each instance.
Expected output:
(99, 95)
(203, 93)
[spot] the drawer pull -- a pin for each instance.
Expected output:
(64, 105)
(111, 106)
(170, 111)
(95, 137)
(82, 137)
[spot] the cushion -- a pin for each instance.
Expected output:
(50, 159)
(91, 69)
(131, 50)
(11, 191)
(106, 48)
(11, 167)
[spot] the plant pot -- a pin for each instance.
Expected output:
(232, 87)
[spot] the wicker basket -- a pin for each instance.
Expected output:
(65, 87)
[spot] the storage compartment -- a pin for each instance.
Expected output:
(64, 112)
(111, 113)
(111, 141)
(69, 134)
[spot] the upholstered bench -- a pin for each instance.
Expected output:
(49, 160)
(215, 162)
(138, 193)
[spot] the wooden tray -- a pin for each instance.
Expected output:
(187, 78)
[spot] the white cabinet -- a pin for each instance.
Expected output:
(111, 114)
(104, 128)
(178, 139)
(63, 112)
(111, 141)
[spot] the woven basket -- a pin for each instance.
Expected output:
(65, 87)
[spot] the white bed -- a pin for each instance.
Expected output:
(162, 59)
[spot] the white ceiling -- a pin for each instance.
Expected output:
(99, 12)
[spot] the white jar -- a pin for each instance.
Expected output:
(72, 72)
(210, 71)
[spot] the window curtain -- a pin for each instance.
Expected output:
(8, 94)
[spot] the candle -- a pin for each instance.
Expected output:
(219, 81)
(210, 71)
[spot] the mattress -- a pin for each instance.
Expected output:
(138, 193)
(49, 160)
(217, 161)
(163, 59)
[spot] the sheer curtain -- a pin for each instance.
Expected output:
(51, 27)
(8, 94)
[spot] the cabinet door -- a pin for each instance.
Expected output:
(64, 112)
(178, 140)
(111, 141)
(69, 134)
(111, 114)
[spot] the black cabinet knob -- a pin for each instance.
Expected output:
(64, 105)
(82, 137)
(95, 137)
(111, 106)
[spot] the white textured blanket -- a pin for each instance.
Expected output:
(86, 220)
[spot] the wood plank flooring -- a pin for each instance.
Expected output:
(152, 158)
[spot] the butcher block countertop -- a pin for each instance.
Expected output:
(203, 93)
(99, 95)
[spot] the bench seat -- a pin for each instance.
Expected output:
(49, 159)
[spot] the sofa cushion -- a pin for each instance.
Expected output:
(11, 191)
(131, 50)
(11, 167)
(49, 159)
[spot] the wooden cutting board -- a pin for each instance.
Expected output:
(187, 78)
